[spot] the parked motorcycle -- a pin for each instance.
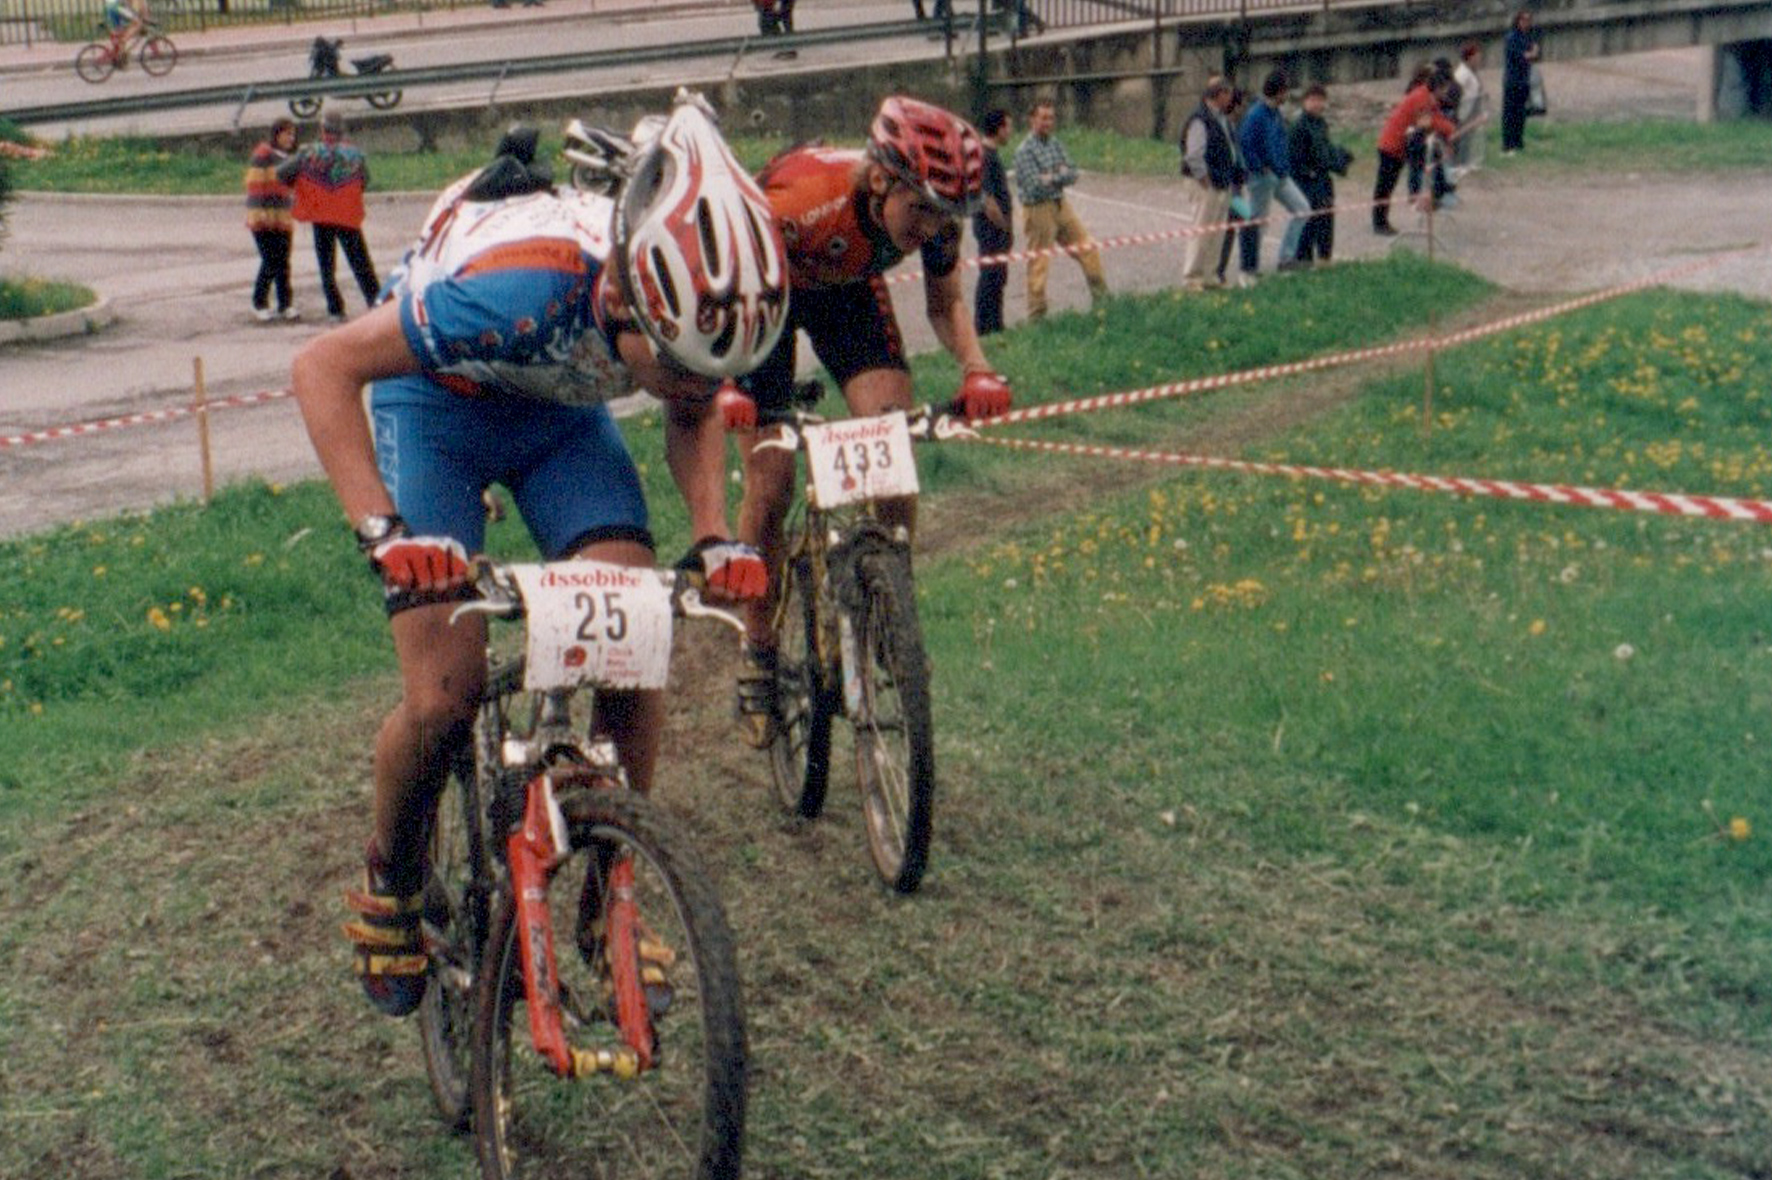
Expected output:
(323, 63)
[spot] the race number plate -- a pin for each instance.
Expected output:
(861, 459)
(596, 624)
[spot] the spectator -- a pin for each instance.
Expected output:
(1043, 170)
(1263, 140)
(329, 179)
(993, 225)
(1316, 160)
(268, 201)
(1210, 159)
(1419, 110)
(1239, 207)
(1473, 109)
(1520, 51)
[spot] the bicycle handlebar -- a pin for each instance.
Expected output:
(926, 424)
(500, 597)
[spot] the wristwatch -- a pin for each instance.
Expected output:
(372, 530)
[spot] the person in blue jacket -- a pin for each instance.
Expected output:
(1262, 138)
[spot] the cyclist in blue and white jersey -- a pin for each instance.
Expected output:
(519, 311)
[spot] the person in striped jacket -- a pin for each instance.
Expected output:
(268, 204)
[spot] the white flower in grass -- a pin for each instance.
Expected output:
(1624, 651)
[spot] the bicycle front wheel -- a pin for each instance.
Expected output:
(95, 63)
(158, 55)
(456, 913)
(800, 756)
(894, 732)
(385, 101)
(305, 107)
(684, 1115)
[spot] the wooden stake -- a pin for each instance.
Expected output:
(202, 404)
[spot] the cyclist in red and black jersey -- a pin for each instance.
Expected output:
(847, 217)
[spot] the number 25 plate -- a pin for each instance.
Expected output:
(860, 459)
(594, 623)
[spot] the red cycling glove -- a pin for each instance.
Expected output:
(423, 564)
(737, 410)
(982, 394)
(732, 569)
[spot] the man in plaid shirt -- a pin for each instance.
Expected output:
(1043, 170)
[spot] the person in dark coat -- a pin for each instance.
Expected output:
(993, 225)
(1520, 51)
(1316, 161)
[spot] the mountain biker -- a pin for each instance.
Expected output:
(124, 21)
(519, 310)
(847, 217)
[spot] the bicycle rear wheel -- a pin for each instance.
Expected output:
(800, 756)
(684, 1116)
(385, 101)
(95, 63)
(158, 55)
(894, 731)
(456, 913)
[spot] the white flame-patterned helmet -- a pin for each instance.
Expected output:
(704, 265)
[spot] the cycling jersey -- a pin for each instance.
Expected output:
(836, 255)
(504, 297)
(501, 302)
(831, 237)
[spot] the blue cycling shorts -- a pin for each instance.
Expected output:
(566, 467)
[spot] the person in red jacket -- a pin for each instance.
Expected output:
(329, 178)
(1419, 108)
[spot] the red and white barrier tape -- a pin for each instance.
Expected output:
(1175, 389)
(1114, 243)
(77, 429)
(1664, 503)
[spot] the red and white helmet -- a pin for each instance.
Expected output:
(702, 260)
(934, 151)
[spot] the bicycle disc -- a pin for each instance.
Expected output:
(684, 1116)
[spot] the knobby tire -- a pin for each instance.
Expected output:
(800, 756)
(894, 730)
(683, 1118)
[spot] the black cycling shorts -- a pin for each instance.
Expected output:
(852, 328)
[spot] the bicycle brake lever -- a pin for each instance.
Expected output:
(690, 603)
(787, 439)
(946, 427)
(482, 606)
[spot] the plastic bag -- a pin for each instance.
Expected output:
(1536, 103)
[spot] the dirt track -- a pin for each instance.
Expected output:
(177, 273)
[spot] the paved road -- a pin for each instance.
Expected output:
(44, 74)
(178, 272)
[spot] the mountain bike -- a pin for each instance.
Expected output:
(147, 45)
(562, 901)
(848, 639)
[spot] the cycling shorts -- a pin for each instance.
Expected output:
(852, 328)
(567, 467)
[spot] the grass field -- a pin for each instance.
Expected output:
(135, 165)
(1286, 829)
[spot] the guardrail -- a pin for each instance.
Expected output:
(356, 85)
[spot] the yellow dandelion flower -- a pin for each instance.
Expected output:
(157, 619)
(1740, 829)
(1537, 628)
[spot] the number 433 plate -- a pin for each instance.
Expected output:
(594, 623)
(860, 459)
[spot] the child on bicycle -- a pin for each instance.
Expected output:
(849, 216)
(518, 312)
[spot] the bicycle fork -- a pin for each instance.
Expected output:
(535, 850)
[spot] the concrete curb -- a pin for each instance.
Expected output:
(82, 321)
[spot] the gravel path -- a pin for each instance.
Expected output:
(178, 274)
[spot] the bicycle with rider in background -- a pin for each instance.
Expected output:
(848, 217)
